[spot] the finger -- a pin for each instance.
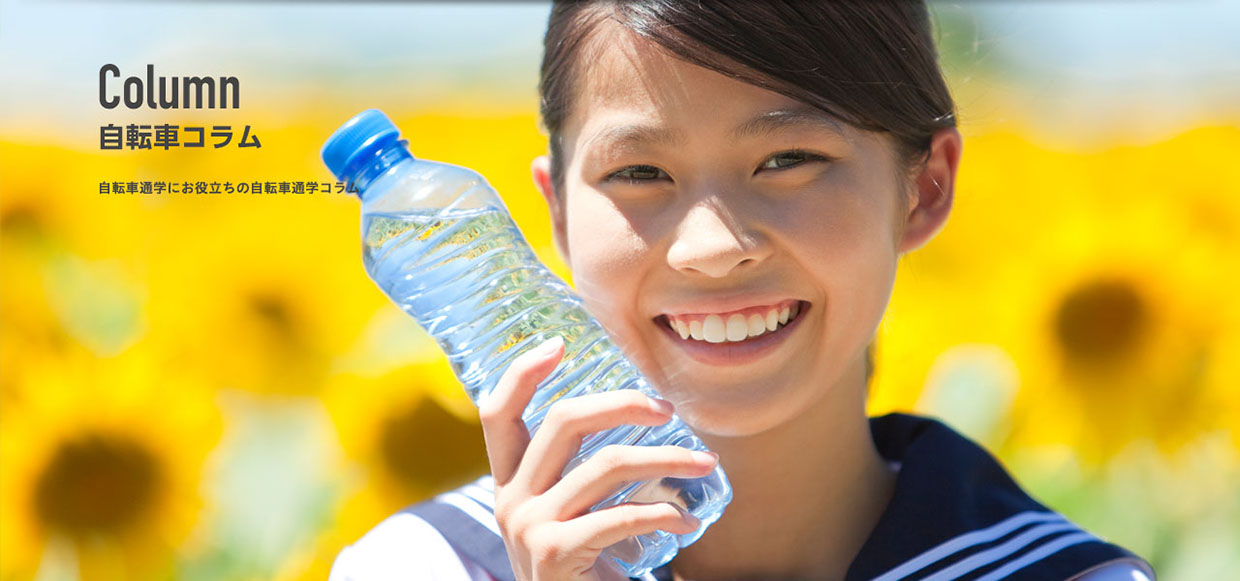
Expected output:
(604, 528)
(571, 420)
(500, 412)
(616, 465)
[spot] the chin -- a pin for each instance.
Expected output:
(738, 414)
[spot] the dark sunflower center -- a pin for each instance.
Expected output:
(23, 223)
(1100, 321)
(273, 310)
(427, 446)
(96, 483)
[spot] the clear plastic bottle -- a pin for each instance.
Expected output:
(440, 243)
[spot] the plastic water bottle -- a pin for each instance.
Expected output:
(440, 243)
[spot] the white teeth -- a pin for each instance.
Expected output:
(737, 326)
(713, 329)
(757, 325)
(738, 329)
(695, 330)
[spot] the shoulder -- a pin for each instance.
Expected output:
(1124, 570)
(407, 546)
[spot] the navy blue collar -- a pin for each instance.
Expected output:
(956, 514)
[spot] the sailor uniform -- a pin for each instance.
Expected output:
(954, 514)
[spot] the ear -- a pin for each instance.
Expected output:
(933, 190)
(541, 171)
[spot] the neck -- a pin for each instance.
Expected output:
(805, 495)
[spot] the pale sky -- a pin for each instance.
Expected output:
(1173, 54)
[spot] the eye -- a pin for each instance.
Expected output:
(636, 174)
(788, 159)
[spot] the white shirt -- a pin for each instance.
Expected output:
(405, 547)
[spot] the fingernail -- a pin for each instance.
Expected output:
(661, 405)
(549, 346)
(705, 458)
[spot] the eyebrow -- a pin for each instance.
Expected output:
(770, 121)
(765, 123)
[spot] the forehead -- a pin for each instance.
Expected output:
(627, 85)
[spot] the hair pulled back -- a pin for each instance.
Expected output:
(872, 64)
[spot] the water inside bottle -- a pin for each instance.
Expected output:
(471, 280)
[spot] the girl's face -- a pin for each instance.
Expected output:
(693, 198)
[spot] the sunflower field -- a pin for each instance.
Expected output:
(200, 385)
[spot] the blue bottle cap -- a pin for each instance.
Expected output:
(360, 138)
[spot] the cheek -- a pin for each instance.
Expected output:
(845, 219)
(845, 239)
(605, 255)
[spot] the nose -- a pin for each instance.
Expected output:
(711, 240)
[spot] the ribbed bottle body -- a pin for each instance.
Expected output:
(440, 243)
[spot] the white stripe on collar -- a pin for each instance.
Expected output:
(483, 497)
(970, 539)
(1001, 552)
(1040, 553)
(472, 508)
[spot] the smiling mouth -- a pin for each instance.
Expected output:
(736, 326)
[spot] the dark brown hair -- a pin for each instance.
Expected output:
(872, 64)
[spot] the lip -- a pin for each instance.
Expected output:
(759, 308)
(729, 354)
(727, 305)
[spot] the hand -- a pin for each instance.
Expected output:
(546, 526)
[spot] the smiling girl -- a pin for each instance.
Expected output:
(733, 185)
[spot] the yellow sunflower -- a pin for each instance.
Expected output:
(50, 200)
(1089, 272)
(37, 226)
(1116, 300)
(101, 462)
(265, 297)
(410, 432)
(60, 283)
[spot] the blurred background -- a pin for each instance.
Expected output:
(209, 386)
